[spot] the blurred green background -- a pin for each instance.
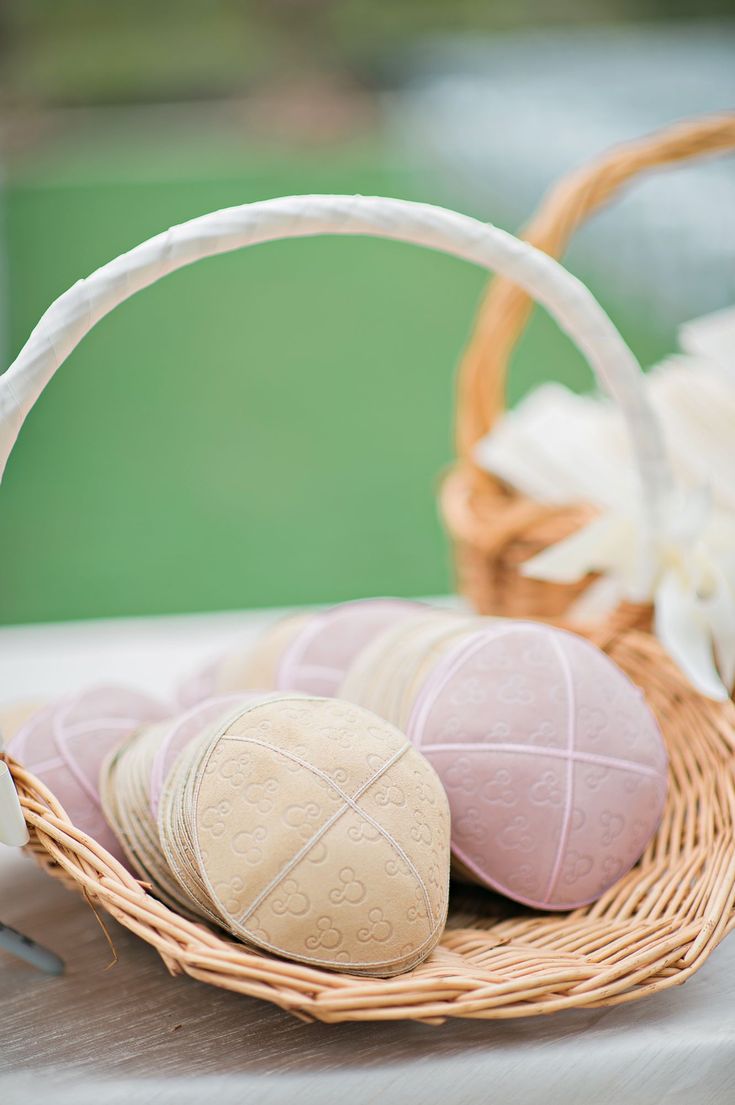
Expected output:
(267, 427)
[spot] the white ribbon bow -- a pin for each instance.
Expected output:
(687, 571)
(562, 448)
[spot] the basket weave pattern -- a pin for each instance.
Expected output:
(495, 529)
(652, 930)
(496, 960)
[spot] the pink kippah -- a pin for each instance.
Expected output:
(552, 761)
(317, 659)
(65, 745)
(186, 727)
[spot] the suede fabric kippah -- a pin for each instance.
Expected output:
(311, 828)
(66, 742)
(305, 826)
(554, 766)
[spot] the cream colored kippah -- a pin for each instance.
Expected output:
(256, 668)
(307, 827)
(125, 794)
(312, 829)
(553, 764)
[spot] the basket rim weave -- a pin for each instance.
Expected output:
(579, 195)
(649, 932)
(494, 528)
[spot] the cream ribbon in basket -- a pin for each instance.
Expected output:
(557, 447)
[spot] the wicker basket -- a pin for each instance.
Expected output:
(496, 960)
(495, 529)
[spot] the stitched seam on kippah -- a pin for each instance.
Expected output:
(569, 798)
(577, 756)
(317, 770)
(463, 649)
(349, 803)
(48, 765)
(403, 855)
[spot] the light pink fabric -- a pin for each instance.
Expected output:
(317, 659)
(65, 744)
(553, 764)
(188, 726)
(199, 686)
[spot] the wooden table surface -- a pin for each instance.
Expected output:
(128, 1032)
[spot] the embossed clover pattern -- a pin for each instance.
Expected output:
(591, 723)
(261, 795)
(236, 771)
(350, 888)
(498, 789)
(523, 878)
(340, 736)
(317, 853)
(470, 826)
(433, 873)
(248, 844)
(290, 899)
(576, 866)
(230, 893)
(469, 692)
(613, 824)
(626, 727)
(388, 794)
(327, 935)
(257, 930)
(292, 765)
(378, 927)
(547, 790)
(363, 831)
(213, 818)
(516, 690)
(544, 734)
(516, 835)
(375, 761)
(578, 818)
(396, 866)
(425, 793)
(461, 776)
(421, 829)
(499, 731)
(417, 911)
(611, 867)
(304, 818)
(595, 777)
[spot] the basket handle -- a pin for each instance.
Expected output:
(573, 306)
(505, 310)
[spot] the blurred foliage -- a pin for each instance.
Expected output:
(74, 52)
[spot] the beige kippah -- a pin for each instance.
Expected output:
(311, 828)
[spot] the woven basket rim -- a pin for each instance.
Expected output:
(649, 932)
(579, 195)
(495, 529)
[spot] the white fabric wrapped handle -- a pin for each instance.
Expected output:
(568, 301)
